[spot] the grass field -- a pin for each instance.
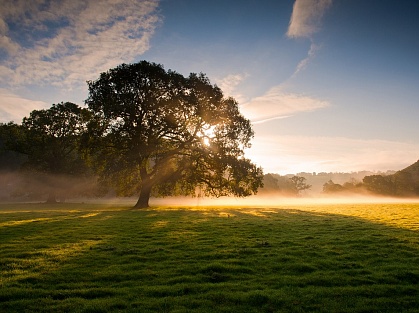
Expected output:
(285, 258)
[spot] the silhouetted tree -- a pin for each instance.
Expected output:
(379, 184)
(402, 183)
(352, 185)
(331, 187)
(270, 183)
(155, 131)
(50, 139)
(12, 138)
(280, 185)
(10, 160)
(299, 183)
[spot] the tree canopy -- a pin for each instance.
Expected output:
(299, 183)
(157, 132)
(283, 185)
(50, 139)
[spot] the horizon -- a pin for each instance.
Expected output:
(329, 85)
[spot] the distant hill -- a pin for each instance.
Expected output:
(409, 177)
(403, 183)
(412, 170)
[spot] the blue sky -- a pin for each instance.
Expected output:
(330, 85)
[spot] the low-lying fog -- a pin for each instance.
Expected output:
(258, 201)
(15, 188)
(275, 200)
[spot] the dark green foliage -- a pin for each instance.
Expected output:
(11, 152)
(49, 140)
(147, 132)
(52, 138)
(157, 132)
(10, 159)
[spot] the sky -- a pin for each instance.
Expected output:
(329, 85)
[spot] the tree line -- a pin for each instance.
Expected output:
(403, 183)
(144, 131)
(284, 186)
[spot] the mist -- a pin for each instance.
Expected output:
(271, 200)
(18, 187)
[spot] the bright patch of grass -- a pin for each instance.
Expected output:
(311, 258)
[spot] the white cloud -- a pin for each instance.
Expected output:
(8, 45)
(306, 17)
(15, 108)
(229, 85)
(83, 38)
(278, 104)
(310, 55)
(293, 154)
(305, 22)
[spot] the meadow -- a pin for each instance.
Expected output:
(285, 258)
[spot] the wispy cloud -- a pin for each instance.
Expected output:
(229, 85)
(306, 17)
(305, 22)
(277, 104)
(293, 154)
(67, 42)
(310, 55)
(14, 108)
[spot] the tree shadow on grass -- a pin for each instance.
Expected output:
(253, 260)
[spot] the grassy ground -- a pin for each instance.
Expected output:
(91, 258)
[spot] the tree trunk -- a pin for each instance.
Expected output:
(145, 192)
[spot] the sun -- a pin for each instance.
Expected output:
(206, 141)
(207, 135)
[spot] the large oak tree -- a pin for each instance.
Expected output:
(157, 132)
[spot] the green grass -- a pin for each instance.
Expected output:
(311, 258)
